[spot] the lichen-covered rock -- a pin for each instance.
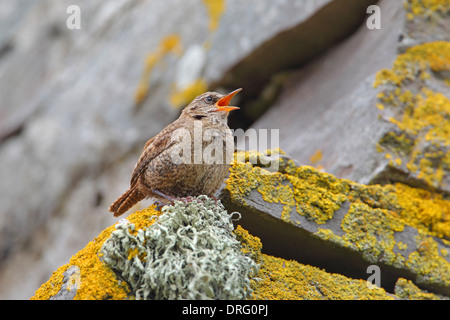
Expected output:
(341, 225)
(330, 115)
(406, 289)
(290, 280)
(187, 251)
(191, 251)
(85, 114)
(426, 21)
(78, 105)
(415, 98)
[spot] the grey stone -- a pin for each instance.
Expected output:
(328, 245)
(70, 284)
(70, 126)
(330, 104)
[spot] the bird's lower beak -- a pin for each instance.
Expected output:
(223, 103)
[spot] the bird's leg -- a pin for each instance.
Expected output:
(172, 199)
(188, 199)
(214, 197)
(165, 196)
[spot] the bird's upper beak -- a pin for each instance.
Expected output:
(223, 103)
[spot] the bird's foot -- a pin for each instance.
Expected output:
(165, 196)
(214, 198)
(160, 202)
(189, 199)
(171, 199)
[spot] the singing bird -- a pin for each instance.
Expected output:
(188, 158)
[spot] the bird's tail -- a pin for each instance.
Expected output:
(126, 201)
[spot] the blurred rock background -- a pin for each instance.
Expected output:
(76, 106)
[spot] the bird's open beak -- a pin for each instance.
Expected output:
(223, 103)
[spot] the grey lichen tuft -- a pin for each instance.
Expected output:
(189, 252)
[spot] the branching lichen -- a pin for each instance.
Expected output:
(189, 252)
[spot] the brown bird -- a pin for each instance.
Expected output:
(189, 157)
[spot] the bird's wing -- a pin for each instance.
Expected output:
(154, 147)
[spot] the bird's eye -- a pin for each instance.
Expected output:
(209, 99)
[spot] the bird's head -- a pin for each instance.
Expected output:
(211, 105)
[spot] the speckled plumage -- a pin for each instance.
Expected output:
(164, 172)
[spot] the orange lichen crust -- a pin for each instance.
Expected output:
(289, 280)
(423, 209)
(280, 279)
(375, 215)
(251, 245)
(169, 44)
(180, 98)
(96, 280)
(406, 289)
(426, 8)
(215, 9)
(420, 140)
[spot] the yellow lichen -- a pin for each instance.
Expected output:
(251, 245)
(316, 157)
(52, 286)
(215, 10)
(415, 61)
(319, 195)
(289, 280)
(375, 215)
(96, 280)
(406, 289)
(366, 227)
(422, 118)
(180, 98)
(169, 44)
(424, 210)
(428, 262)
(318, 203)
(426, 8)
